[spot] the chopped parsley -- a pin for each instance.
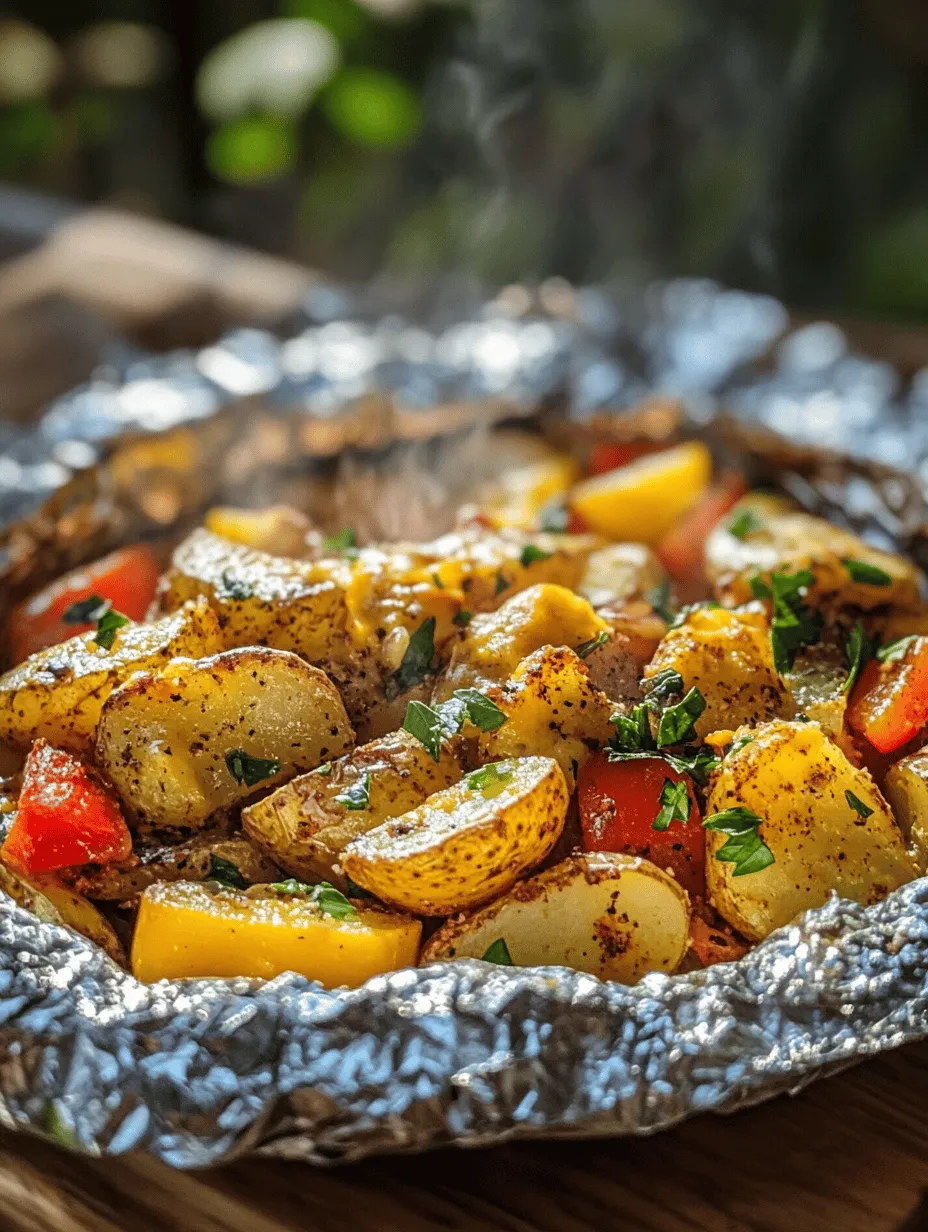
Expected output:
(744, 848)
(462, 618)
(482, 712)
(793, 625)
(490, 779)
(676, 723)
(357, 797)
(659, 599)
(107, 623)
(85, 611)
(869, 575)
(897, 649)
(250, 770)
(325, 769)
(236, 588)
(344, 542)
(439, 584)
(675, 805)
(858, 650)
(226, 873)
(858, 805)
(498, 953)
(501, 583)
(632, 731)
(426, 725)
(324, 895)
(429, 724)
(585, 649)
(554, 518)
(745, 523)
(532, 553)
(662, 687)
(759, 588)
(418, 661)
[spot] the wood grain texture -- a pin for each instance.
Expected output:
(847, 1155)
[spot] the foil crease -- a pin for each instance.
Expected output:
(198, 1072)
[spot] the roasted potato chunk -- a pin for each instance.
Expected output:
(189, 861)
(495, 644)
(305, 826)
(786, 542)
(278, 529)
(726, 656)
(612, 915)
(59, 692)
(187, 930)
(552, 709)
(206, 734)
(619, 573)
(804, 788)
(906, 789)
(467, 843)
(817, 683)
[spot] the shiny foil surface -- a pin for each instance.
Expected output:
(465, 1053)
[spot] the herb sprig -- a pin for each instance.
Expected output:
(744, 848)
(498, 953)
(357, 797)
(675, 805)
(745, 523)
(430, 724)
(870, 575)
(249, 771)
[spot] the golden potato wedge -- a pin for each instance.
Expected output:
(787, 542)
(495, 644)
(726, 656)
(186, 930)
(189, 861)
(615, 916)
(551, 709)
(304, 826)
(77, 913)
(278, 529)
(467, 843)
(58, 693)
(797, 780)
(906, 789)
(168, 740)
(621, 572)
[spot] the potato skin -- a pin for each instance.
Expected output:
(59, 692)
(793, 777)
(163, 737)
(789, 541)
(463, 846)
(552, 709)
(304, 828)
(615, 916)
(726, 656)
(906, 789)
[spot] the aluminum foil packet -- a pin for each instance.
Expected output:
(362, 392)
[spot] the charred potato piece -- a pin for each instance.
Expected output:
(786, 542)
(305, 827)
(551, 709)
(619, 573)
(615, 916)
(726, 656)
(59, 693)
(190, 861)
(467, 843)
(495, 644)
(798, 781)
(906, 789)
(168, 741)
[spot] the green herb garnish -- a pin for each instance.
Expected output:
(439, 584)
(632, 731)
(462, 618)
(586, 648)
(325, 896)
(662, 687)
(676, 723)
(858, 805)
(659, 599)
(699, 764)
(858, 650)
(236, 588)
(58, 1129)
(869, 575)
(357, 797)
(897, 649)
(325, 769)
(531, 553)
(250, 770)
(226, 873)
(426, 725)
(501, 583)
(744, 523)
(498, 953)
(344, 542)
(759, 588)
(744, 847)
(675, 805)
(107, 624)
(418, 661)
(429, 724)
(490, 779)
(85, 611)
(482, 712)
(793, 626)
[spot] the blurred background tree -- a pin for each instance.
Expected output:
(778, 146)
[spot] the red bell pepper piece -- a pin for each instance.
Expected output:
(681, 549)
(65, 816)
(610, 455)
(619, 801)
(889, 704)
(127, 578)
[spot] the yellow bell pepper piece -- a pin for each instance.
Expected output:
(641, 502)
(185, 929)
(277, 529)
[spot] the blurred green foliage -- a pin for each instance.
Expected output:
(778, 146)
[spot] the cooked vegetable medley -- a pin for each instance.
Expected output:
(627, 717)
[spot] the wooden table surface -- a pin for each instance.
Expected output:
(847, 1155)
